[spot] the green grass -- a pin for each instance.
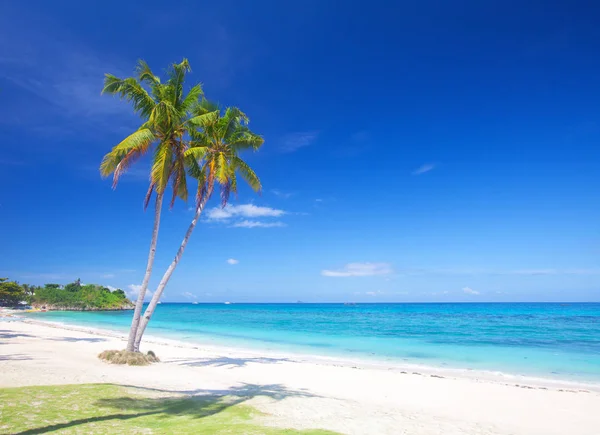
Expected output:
(112, 409)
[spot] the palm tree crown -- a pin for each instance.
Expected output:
(213, 155)
(168, 115)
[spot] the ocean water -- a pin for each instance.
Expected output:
(533, 339)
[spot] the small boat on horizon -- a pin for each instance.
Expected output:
(227, 303)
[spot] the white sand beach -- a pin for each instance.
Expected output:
(304, 393)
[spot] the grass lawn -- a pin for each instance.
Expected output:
(114, 409)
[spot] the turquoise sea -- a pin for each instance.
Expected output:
(534, 339)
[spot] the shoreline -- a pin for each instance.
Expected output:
(298, 392)
(499, 377)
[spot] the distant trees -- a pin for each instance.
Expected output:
(74, 286)
(73, 296)
(11, 293)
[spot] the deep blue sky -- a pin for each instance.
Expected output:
(414, 151)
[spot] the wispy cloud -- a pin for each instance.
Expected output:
(424, 169)
(134, 291)
(257, 224)
(47, 62)
(281, 194)
(232, 261)
(294, 141)
(189, 295)
(360, 269)
(533, 272)
(9, 162)
(242, 210)
(381, 293)
(470, 291)
(542, 272)
(64, 277)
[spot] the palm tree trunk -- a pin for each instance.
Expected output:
(165, 279)
(139, 305)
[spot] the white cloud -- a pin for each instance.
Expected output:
(257, 224)
(108, 275)
(233, 261)
(294, 141)
(360, 269)
(189, 295)
(470, 291)
(242, 210)
(134, 291)
(111, 288)
(423, 169)
(372, 293)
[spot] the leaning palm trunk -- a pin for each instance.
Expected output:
(139, 305)
(165, 279)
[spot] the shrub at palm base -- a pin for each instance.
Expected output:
(129, 358)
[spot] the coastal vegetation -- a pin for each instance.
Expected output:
(189, 137)
(11, 293)
(107, 408)
(73, 296)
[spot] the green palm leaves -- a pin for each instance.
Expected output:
(214, 150)
(165, 109)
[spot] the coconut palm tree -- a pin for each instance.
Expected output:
(213, 157)
(168, 113)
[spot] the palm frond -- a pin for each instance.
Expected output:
(176, 77)
(205, 120)
(192, 98)
(131, 90)
(247, 173)
(205, 106)
(138, 142)
(244, 139)
(179, 182)
(145, 74)
(161, 166)
(221, 170)
(148, 195)
(196, 153)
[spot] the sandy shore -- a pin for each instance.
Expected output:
(304, 393)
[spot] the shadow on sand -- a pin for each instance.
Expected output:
(79, 339)
(7, 335)
(196, 404)
(225, 361)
